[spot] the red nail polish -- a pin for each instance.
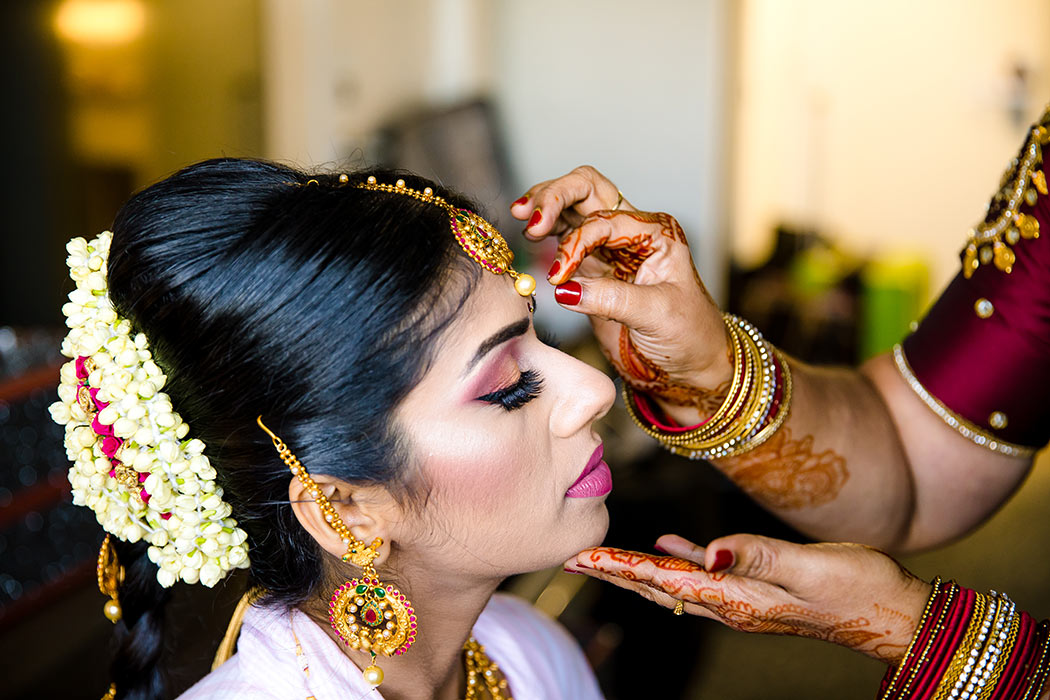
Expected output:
(658, 548)
(569, 293)
(554, 269)
(723, 560)
(520, 200)
(573, 571)
(537, 217)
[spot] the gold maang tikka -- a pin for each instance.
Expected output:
(367, 614)
(478, 238)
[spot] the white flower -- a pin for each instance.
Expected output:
(166, 578)
(59, 412)
(210, 574)
(177, 506)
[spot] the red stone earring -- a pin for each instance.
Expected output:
(370, 615)
(366, 613)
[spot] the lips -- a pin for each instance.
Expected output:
(595, 479)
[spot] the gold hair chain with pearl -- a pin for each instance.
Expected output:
(478, 238)
(376, 617)
(367, 614)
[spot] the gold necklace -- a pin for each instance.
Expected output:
(481, 668)
(482, 672)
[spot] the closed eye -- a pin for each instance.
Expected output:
(528, 387)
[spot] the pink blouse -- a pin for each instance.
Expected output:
(538, 657)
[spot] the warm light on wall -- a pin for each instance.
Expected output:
(100, 22)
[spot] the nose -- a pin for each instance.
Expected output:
(583, 395)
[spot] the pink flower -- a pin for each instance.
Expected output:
(110, 445)
(101, 428)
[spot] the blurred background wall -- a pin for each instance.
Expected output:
(826, 158)
(886, 124)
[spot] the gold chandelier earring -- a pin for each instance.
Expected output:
(367, 614)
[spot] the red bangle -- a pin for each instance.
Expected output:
(943, 629)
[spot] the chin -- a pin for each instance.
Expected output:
(592, 531)
(583, 533)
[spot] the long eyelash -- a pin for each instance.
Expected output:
(548, 338)
(528, 387)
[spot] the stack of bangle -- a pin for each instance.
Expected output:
(971, 646)
(757, 404)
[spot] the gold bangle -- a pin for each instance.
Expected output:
(713, 431)
(749, 422)
(934, 592)
(962, 652)
(1005, 650)
(739, 388)
(953, 591)
(783, 410)
(619, 200)
(628, 394)
(1042, 667)
(749, 430)
(742, 422)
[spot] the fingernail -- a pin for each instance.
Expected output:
(723, 560)
(520, 200)
(537, 217)
(554, 269)
(569, 293)
(573, 571)
(658, 548)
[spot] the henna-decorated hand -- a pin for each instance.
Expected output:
(632, 274)
(843, 593)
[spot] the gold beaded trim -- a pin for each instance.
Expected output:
(1004, 225)
(972, 432)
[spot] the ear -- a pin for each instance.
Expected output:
(369, 511)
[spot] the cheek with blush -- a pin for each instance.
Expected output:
(475, 476)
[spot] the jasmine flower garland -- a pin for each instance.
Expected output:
(132, 462)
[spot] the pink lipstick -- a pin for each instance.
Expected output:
(595, 479)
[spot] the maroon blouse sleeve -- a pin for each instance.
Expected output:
(981, 356)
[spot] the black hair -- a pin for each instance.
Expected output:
(264, 290)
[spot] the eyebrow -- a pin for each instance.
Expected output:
(513, 330)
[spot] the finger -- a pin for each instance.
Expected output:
(680, 547)
(678, 578)
(593, 233)
(653, 594)
(633, 565)
(640, 307)
(584, 190)
(642, 240)
(520, 208)
(781, 563)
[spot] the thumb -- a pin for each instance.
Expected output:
(759, 558)
(639, 307)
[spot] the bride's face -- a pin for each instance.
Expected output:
(501, 436)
